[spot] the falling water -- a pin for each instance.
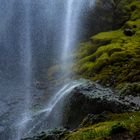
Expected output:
(70, 25)
(26, 68)
(69, 28)
(74, 9)
(34, 35)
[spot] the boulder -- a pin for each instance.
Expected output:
(91, 98)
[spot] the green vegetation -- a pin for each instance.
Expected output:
(129, 89)
(113, 58)
(116, 124)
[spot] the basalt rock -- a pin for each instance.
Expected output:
(91, 98)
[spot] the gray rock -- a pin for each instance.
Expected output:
(91, 98)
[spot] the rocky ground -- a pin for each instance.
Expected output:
(89, 105)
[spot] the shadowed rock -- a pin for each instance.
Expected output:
(91, 98)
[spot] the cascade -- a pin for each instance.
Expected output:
(34, 35)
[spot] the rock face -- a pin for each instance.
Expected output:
(91, 98)
(106, 15)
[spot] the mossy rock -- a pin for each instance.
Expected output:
(106, 37)
(113, 58)
(129, 89)
(135, 8)
(92, 119)
(119, 126)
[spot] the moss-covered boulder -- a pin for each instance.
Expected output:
(129, 89)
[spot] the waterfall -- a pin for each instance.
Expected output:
(71, 21)
(26, 67)
(35, 35)
(69, 28)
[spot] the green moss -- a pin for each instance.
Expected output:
(112, 58)
(135, 8)
(117, 122)
(106, 37)
(120, 57)
(116, 59)
(85, 49)
(133, 24)
(101, 62)
(86, 68)
(117, 128)
(93, 119)
(129, 89)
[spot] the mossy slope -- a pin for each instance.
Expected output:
(128, 124)
(113, 58)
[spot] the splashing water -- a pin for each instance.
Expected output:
(26, 68)
(40, 120)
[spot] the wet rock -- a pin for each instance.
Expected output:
(91, 98)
